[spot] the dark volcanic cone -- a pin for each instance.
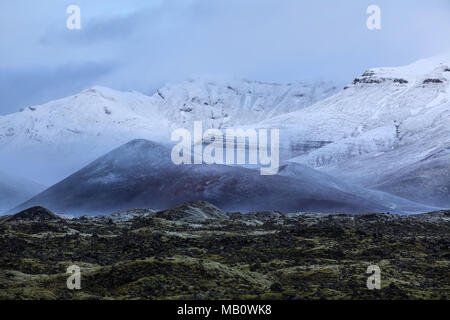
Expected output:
(34, 214)
(141, 174)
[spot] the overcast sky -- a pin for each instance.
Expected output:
(141, 45)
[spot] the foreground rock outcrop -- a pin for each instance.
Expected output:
(196, 211)
(34, 214)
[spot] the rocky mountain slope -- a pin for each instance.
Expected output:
(197, 211)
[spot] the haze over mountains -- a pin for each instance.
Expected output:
(389, 130)
(15, 190)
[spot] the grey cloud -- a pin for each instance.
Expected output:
(147, 44)
(21, 88)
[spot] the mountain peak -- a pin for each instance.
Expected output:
(101, 89)
(438, 66)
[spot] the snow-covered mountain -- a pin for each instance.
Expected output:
(14, 190)
(51, 141)
(75, 130)
(389, 129)
(363, 117)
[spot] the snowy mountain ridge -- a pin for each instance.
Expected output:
(75, 130)
(383, 108)
(390, 122)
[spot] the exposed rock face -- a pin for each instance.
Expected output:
(122, 216)
(34, 214)
(434, 217)
(197, 211)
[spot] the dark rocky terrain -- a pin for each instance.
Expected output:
(196, 251)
